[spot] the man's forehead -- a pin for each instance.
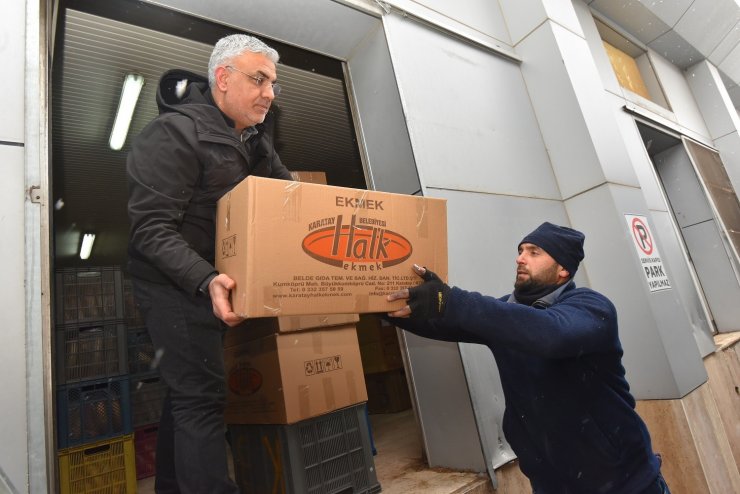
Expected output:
(528, 246)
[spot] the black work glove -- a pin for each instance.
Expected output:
(428, 300)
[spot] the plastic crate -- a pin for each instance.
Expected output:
(88, 294)
(329, 454)
(147, 393)
(93, 410)
(145, 444)
(90, 351)
(141, 355)
(131, 313)
(103, 466)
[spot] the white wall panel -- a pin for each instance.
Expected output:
(707, 22)
(712, 99)
(13, 426)
(638, 156)
(679, 94)
(596, 45)
(729, 149)
(682, 280)
(522, 17)
(636, 17)
(292, 21)
(12, 48)
(578, 127)
(469, 115)
(484, 231)
(482, 15)
(661, 356)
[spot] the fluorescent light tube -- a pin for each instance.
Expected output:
(129, 96)
(87, 244)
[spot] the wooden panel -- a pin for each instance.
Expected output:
(625, 68)
(672, 438)
(511, 480)
(711, 441)
(723, 368)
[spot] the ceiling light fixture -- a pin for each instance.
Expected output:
(129, 96)
(86, 246)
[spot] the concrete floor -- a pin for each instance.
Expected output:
(399, 464)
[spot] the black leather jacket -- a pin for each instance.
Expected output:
(178, 167)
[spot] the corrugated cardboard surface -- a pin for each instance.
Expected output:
(298, 248)
(263, 326)
(285, 378)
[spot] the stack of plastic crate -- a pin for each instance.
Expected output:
(146, 387)
(95, 437)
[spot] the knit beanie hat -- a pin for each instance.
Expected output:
(564, 244)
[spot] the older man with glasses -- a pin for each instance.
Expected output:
(210, 135)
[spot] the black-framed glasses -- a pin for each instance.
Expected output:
(259, 80)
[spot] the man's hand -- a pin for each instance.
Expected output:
(219, 289)
(426, 301)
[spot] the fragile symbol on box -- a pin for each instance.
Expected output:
(228, 246)
(321, 365)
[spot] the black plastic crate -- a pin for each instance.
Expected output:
(93, 410)
(89, 295)
(147, 393)
(90, 351)
(329, 454)
(141, 353)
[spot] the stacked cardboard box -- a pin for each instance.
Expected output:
(304, 255)
(278, 373)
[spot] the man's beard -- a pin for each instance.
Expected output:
(533, 284)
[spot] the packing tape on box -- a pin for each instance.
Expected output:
(329, 398)
(292, 202)
(269, 294)
(422, 219)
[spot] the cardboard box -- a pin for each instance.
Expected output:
(310, 177)
(297, 248)
(263, 326)
(285, 378)
(387, 392)
(379, 346)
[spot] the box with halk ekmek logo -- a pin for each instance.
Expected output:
(298, 248)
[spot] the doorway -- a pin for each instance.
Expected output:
(688, 173)
(97, 43)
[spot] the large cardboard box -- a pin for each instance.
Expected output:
(297, 248)
(285, 378)
(263, 326)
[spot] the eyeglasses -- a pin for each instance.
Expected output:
(259, 80)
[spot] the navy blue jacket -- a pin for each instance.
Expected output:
(570, 417)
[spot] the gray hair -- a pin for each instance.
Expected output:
(229, 47)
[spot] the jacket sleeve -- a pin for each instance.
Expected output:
(163, 171)
(584, 322)
(277, 169)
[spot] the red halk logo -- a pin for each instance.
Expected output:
(353, 243)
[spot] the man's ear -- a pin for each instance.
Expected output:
(563, 274)
(221, 75)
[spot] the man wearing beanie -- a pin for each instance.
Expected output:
(569, 417)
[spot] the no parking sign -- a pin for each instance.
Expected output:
(647, 250)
